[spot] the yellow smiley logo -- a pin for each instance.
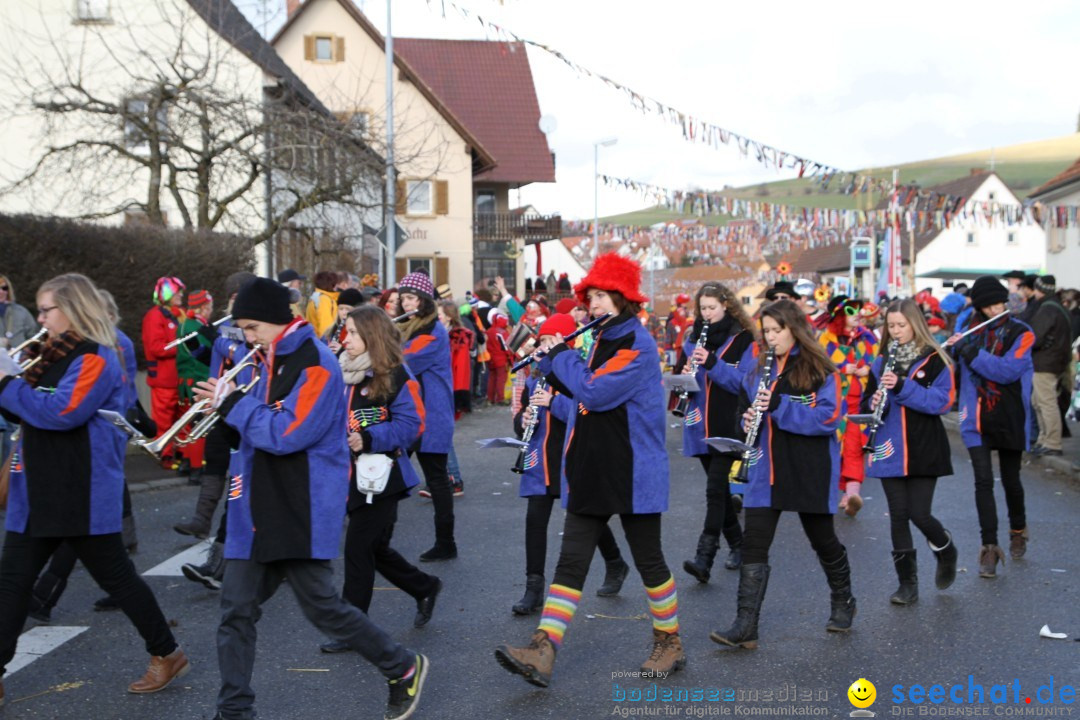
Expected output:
(862, 693)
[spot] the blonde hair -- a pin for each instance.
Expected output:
(110, 306)
(5, 280)
(79, 299)
(924, 339)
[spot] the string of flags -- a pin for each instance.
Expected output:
(917, 209)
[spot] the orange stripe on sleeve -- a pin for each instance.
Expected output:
(89, 372)
(414, 390)
(1026, 341)
(417, 344)
(617, 363)
(839, 404)
(315, 378)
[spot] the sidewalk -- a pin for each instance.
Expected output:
(1067, 464)
(143, 473)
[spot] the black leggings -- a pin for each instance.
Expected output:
(719, 512)
(910, 500)
(984, 491)
(442, 495)
(761, 525)
(537, 517)
(581, 534)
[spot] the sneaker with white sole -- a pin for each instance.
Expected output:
(405, 693)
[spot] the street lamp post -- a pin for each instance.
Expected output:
(596, 193)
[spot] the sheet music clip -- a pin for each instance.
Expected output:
(678, 383)
(724, 444)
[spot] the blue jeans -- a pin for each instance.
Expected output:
(452, 467)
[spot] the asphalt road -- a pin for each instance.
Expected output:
(988, 629)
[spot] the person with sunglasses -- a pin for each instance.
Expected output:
(852, 348)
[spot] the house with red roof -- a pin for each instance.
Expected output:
(467, 133)
(1062, 236)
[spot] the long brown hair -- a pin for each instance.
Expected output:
(814, 366)
(731, 304)
(924, 339)
(452, 313)
(383, 343)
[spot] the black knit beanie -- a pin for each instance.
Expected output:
(264, 300)
(988, 291)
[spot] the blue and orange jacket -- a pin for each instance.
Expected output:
(911, 441)
(713, 410)
(389, 426)
(615, 460)
(288, 499)
(999, 417)
(67, 476)
(543, 456)
(127, 361)
(796, 460)
(427, 354)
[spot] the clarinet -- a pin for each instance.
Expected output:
(526, 437)
(684, 395)
(879, 411)
(751, 437)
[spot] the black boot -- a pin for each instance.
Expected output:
(702, 563)
(838, 573)
(907, 569)
(734, 557)
(533, 599)
(47, 591)
(753, 580)
(211, 571)
(946, 564)
(209, 494)
(617, 570)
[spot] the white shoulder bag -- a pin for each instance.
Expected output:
(372, 473)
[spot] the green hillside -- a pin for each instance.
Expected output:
(653, 215)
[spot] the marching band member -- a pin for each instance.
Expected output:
(287, 504)
(540, 482)
(159, 326)
(795, 467)
(721, 357)
(852, 347)
(614, 463)
(911, 450)
(67, 482)
(427, 354)
(995, 402)
(385, 416)
(193, 365)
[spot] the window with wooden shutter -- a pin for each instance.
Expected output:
(339, 49)
(442, 270)
(442, 197)
(401, 268)
(309, 47)
(400, 199)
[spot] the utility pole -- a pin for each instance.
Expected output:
(389, 222)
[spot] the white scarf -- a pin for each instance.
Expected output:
(354, 368)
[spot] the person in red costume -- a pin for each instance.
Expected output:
(159, 327)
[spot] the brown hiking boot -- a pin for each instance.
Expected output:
(534, 661)
(162, 671)
(1018, 543)
(989, 555)
(667, 655)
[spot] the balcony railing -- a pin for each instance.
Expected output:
(492, 232)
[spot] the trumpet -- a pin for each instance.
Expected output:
(519, 466)
(751, 437)
(189, 336)
(879, 411)
(201, 427)
(684, 396)
(36, 338)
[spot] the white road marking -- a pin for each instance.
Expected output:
(171, 567)
(39, 641)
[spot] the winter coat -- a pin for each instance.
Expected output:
(995, 387)
(615, 458)
(322, 311)
(497, 348)
(461, 346)
(713, 411)
(67, 478)
(16, 326)
(287, 498)
(127, 362)
(796, 460)
(427, 355)
(1053, 338)
(159, 327)
(389, 426)
(911, 440)
(543, 456)
(193, 365)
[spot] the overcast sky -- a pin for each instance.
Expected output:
(851, 84)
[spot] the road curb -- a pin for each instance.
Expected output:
(1061, 465)
(160, 484)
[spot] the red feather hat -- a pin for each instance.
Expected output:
(613, 272)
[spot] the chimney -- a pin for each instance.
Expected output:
(291, 6)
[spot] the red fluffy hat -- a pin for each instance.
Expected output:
(565, 305)
(613, 272)
(560, 323)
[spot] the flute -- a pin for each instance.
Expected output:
(541, 353)
(981, 325)
(404, 316)
(189, 336)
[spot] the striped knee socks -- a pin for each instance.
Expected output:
(559, 609)
(664, 606)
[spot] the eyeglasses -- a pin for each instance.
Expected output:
(4, 288)
(779, 296)
(851, 310)
(47, 310)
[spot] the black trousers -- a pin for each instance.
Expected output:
(108, 562)
(760, 530)
(720, 515)
(985, 505)
(367, 550)
(537, 517)
(581, 534)
(442, 496)
(910, 501)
